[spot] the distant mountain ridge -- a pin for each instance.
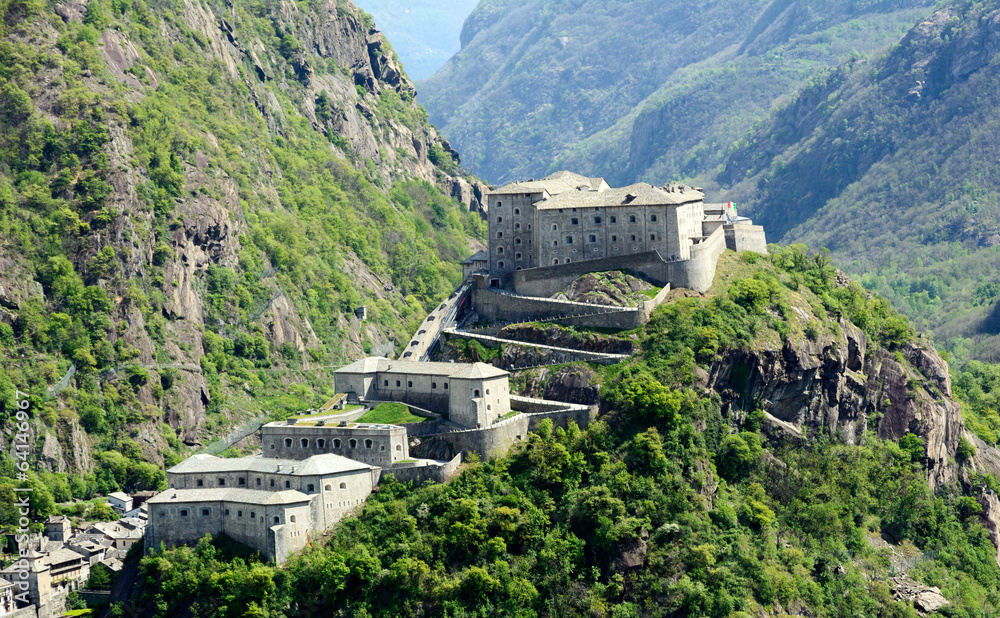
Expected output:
(638, 90)
(892, 164)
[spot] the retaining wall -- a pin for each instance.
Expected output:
(742, 237)
(425, 470)
(565, 355)
(488, 442)
(492, 306)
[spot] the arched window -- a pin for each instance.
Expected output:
(253, 515)
(487, 391)
(354, 443)
(399, 447)
(517, 241)
(292, 518)
(343, 485)
(500, 250)
(321, 443)
(554, 227)
(258, 481)
(517, 226)
(288, 443)
(488, 407)
(499, 204)
(555, 261)
(500, 266)
(336, 443)
(327, 487)
(517, 211)
(567, 260)
(499, 234)
(368, 443)
(276, 520)
(272, 446)
(475, 393)
(499, 219)
(383, 448)
(288, 484)
(555, 243)
(305, 443)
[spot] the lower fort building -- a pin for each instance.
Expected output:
(273, 505)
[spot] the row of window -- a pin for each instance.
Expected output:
(409, 384)
(239, 514)
(593, 238)
(321, 443)
(288, 484)
(517, 241)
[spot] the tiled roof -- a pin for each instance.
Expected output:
(317, 465)
(479, 256)
(446, 370)
(119, 496)
(554, 184)
(639, 194)
(222, 494)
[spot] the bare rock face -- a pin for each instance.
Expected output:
(991, 518)
(838, 385)
(572, 384)
(925, 599)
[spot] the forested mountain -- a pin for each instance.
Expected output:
(686, 498)
(892, 164)
(425, 33)
(638, 90)
(196, 197)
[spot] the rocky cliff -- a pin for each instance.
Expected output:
(197, 198)
(838, 385)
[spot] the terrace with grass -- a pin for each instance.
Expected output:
(391, 414)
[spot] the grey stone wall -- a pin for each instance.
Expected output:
(493, 306)
(743, 237)
(426, 470)
(547, 280)
(493, 441)
(378, 446)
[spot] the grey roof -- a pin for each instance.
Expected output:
(554, 184)
(119, 496)
(639, 194)
(317, 465)
(222, 494)
(4, 584)
(56, 519)
(114, 530)
(479, 256)
(446, 370)
(62, 555)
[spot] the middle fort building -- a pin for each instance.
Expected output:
(468, 394)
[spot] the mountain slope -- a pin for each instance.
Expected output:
(636, 89)
(892, 165)
(426, 34)
(685, 498)
(195, 199)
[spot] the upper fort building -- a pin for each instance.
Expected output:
(566, 218)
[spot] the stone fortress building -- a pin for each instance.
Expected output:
(471, 395)
(273, 505)
(566, 218)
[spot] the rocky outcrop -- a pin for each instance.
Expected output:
(561, 338)
(839, 385)
(571, 384)
(991, 518)
(925, 599)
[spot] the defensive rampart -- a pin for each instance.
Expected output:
(422, 470)
(743, 237)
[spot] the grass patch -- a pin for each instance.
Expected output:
(390, 414)
(510, 414)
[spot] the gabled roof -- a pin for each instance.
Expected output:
(554, 184)
(479, 256)
(119, 496)
(639, 194)
(317, 465)
(444, 370)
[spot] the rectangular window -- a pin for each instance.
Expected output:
(434, 384)
(227, 512)
(575, 221)
(614, 219)
(569, 240)
(652, 236)
(206, 512)
(631, 219)
(397, 383)
(222, 482)
(592, 238)
(653, 218)
(200, 483)
(597, 221)
(184, 512)
(614, 239)
(239, 513)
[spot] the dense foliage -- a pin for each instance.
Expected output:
(665, 507)
(641, 90)
(161, 232)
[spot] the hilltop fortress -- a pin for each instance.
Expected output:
(540, 228)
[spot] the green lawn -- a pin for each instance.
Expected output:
(391, 414)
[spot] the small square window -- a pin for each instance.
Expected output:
(397, 383)
(614, 219)
(222, 482)
(653, 218)
(434, 384)
(243, 481)
(631, 219)
(445, 386)
(592, 238)
(597, 221)
(575, 221)
(206, 512)
(569, 240)
(184, 512)
(200, 483)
